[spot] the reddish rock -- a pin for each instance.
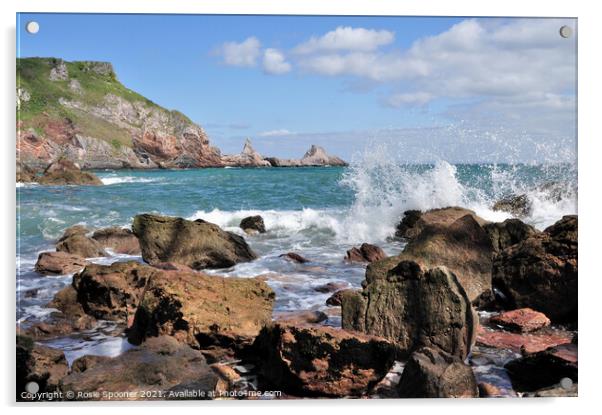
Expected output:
(365, 253)
(300, 317)
(321, 361)
(40, 364)
(337, 298)
(526, 343)
(523, 320)
(120, 240)
(59, 263)
(75, 241)
(331, 287)
(291, 256)
(545, 368)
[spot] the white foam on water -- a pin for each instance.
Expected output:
(109, 180)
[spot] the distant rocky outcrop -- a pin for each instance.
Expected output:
(314, 157)
(248, 157)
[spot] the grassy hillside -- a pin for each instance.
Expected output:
(43, 107)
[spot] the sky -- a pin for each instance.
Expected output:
(461, 89)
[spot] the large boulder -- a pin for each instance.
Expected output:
(64, 172)
(414, 221)
(59, 263)
(112, 292)
(197, 244)
(321, 361)
(158, 369)
(508, 233)
(545, 368)
(120, 240)
(462, 246)
(75, 241)
(541, 271)
(414, 307)
(432, 373)
(39, 364)
(365, 253)
(202, 310)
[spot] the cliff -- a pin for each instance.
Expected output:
(81, 112)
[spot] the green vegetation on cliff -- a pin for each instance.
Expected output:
(42, 83)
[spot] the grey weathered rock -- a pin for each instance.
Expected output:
(414, 307)
(197, 244)
(507, 233)
(253, 223)
(517, 205)
(247, 158)
(315, 156)
(432, 373)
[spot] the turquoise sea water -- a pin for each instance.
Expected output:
(317, 212)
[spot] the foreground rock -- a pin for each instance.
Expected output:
(197, 244)
(39, 364)
(160, 365)
(365, 253)
(414, 221)
(312, 361)
(202, 310)
(65, 172)
(432, 373)
(523, 320)
(74, 241)
(461, 245)
(112, 292)
(59, 263)
(247, 158)
(253, 224)
(541, 271)
(120, 240)
(316, 156)
(414, 307)
(545, 368)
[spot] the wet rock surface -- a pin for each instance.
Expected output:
(253, 223)
(197, 244)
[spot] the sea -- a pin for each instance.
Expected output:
(317, 212)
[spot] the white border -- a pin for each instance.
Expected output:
(590, 71)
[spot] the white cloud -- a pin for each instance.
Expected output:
(410, 98)
(347, 38)
(275, 63)
(275, 133)
(244, 53)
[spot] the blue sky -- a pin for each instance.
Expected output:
(454, 88)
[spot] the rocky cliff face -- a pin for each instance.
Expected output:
(80, 111)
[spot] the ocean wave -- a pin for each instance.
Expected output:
(126, 179)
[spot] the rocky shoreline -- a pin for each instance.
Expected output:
(465, 301)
